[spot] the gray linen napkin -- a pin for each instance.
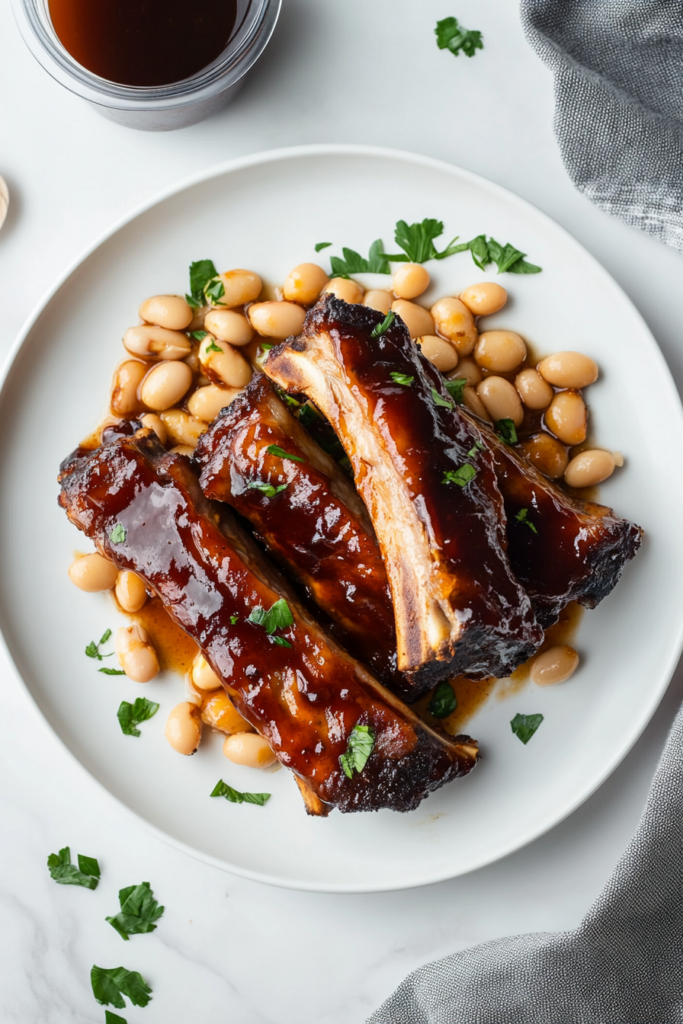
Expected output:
(622, 965)
(618, 67)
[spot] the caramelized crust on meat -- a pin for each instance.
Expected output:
(305, 699)
(317, 528)
(458, 607)
(580, 548)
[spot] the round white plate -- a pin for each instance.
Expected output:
(267, 212)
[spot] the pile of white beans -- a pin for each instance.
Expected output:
(208, 704)
(177, 386)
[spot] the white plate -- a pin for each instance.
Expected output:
(267, 212)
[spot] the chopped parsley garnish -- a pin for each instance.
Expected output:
(213, 347)
(319, 246)
(201, 273)
(266, 345)
(87, 874)
(139, 911)
(111, 984)
(417, 241)
(278, 616)
(214, 291)
(522, 517)
(460, 476)
(280, 641)
(112, 671)
(358, 750)
(275, 449)
(443, 402)
(267, 489)
(450, 36)
(478, 447)
(235, 797)
(198, 335)
(131, 715)
(93, 649)
(524, 726)
(456, 388)
(118, 534)
(234, 619)
(354, 263)
(113, 1018)
(507, 258)
(507, 430)
(402, 378)
(379, 329)
(309, 416)
(443, 702)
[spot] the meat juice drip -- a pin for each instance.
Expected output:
(144, 42)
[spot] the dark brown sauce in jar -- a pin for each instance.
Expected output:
(144, 42)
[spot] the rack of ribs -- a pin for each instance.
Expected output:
(458, 606)
(310, 519)
(145, 511)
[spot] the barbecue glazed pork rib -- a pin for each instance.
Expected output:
(458, 607)
(580, 548)
(305, 697)
(317, 528)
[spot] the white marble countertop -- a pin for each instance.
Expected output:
(228, 949)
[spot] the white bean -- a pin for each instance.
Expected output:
(165, 385)
(277, 319)
(149, 342)
(454, 321)
(439, 352)
(184, 728)
(137, 657)
(223, 364)
(501, 400)
(249, 749)
(229, 326)
(170, 311)
(131, 592)
(417, 319)
(93, 573)
(589, 468)
(206, 403)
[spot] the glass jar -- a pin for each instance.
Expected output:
(158, 108)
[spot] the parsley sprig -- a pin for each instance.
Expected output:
(417, 240)
(278, 616)
(201, 273)
(275, 449)
(267, 489)
(523, 517)
(87, 874)
(354, 263)
(456, 388)
(139, 911)
(524, 726)
(402, 378)
(93, 649)
(379, 329)
(131, 715)
(235, 797)
(443, 702)
(507, 430)
(451, 36)
(460, 476)
(358, 750)
(111, 984)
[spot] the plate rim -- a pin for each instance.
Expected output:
(454, 170)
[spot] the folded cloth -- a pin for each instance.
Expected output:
(622, 965)
(618, 68)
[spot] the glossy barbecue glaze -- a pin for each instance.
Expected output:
(317, 528)
(579, 549)
(305, 699)
(458, 607)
